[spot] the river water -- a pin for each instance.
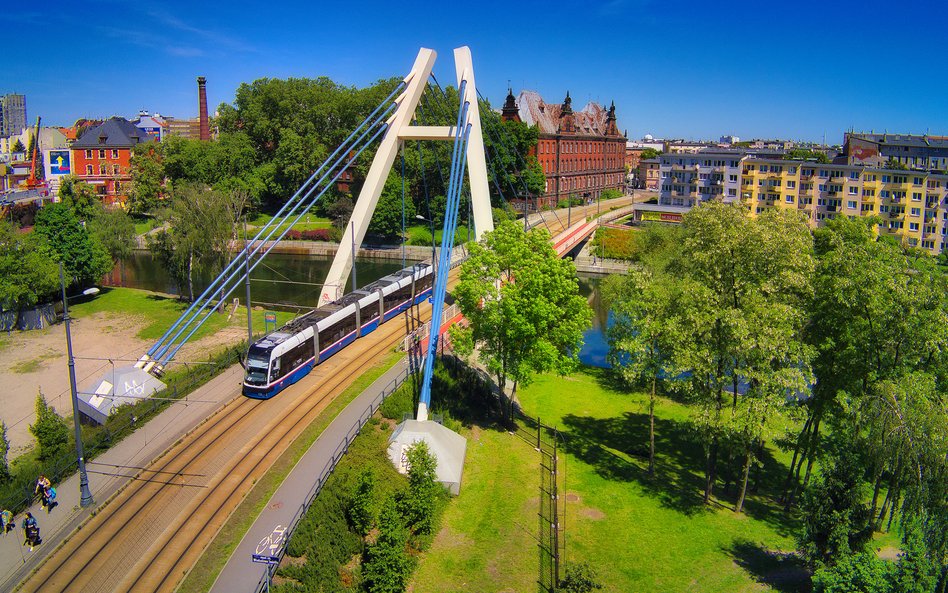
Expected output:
(289, 281)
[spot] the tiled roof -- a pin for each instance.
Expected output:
(905, 139)
(115, 132)
(591, 120)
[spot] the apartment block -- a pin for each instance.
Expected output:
(689, 179)
(912, 205)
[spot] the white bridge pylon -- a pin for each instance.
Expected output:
(399, 130)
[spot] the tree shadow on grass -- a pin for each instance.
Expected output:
(617, 448)
(781, 571)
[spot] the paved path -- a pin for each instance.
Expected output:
(109, 472)
(241, 574)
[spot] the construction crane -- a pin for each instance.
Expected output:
(32, 183)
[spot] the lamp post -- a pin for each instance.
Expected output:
(85, 495)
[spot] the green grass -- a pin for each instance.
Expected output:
(143, 225)
(160, 312)
(308, 222)
(421, 235)
(204, 573)
(657, 534)
(33, 364)
(486, 542)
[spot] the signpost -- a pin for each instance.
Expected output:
(268, 550)
(268, 318)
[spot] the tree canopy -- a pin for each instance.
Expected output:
(532, 319)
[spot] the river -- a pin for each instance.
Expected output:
(290, 281)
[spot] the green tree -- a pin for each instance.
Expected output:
(84, 258)
(419, 500)
(745, 283)
(386, 565)
(855, 573)
(50, 429)
(201, 224)
(642, 303)
(148, 176)
(80, 196)
(115, 231)
(363, 509)
(18, 146)
(806, 154)
(387, 218)
(28, 272)
(4, 450)
(650, 153)
(914, 571)
(835, 513)
(523, 303)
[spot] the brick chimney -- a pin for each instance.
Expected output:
(202, 106)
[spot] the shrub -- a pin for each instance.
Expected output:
(418, 502)
(50, 430)
(580, 578)
(420, 236)
(363, 510)
(399, 403)
(309, 235)
(387, 566)
(610, 194)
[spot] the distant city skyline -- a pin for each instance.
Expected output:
(692, 70)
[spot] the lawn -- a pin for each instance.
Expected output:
(308, 222)
(160, 312)
(656, 533)
(639, 534)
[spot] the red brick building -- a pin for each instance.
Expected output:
(582, 152)
(101, 157)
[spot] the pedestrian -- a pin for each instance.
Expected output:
(6, 521)
(31, 528)
(42, 485)
(49, 495)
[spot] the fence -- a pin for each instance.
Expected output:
(341, 449)
(552, 514)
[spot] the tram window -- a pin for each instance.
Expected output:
(257, 369)
(275, 370)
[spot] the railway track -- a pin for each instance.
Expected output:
(149, 535)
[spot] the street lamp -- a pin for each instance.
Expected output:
(85, 495)
(433, 253)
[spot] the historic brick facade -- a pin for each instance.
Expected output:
(102, 155)
(582, 152)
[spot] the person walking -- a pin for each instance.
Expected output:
(31, 528)
(6, 521)
(49, 496)
(42, 487)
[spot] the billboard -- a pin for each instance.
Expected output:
(661, 217)
(57, 163)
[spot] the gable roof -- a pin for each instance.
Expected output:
(590, 120)
(115, 132)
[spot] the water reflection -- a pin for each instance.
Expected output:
(291, 280)
(595, 347)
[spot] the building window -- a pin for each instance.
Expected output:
(916, 196)
(101, 153)
(102, 169)
(88, 153)
(854, 191)
(916, 211)
(851, 204)
(913, 226)
(114, 153)
(88, 169)
(116, 170)
(789, 199)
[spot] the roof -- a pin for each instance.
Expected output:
(590, 120)
(905, 139)
(114, 132)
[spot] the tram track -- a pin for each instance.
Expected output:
(150, 534)
(83, 562)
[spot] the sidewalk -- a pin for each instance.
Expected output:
(109, 472)
(265, 536)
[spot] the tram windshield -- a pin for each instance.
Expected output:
(257, 367)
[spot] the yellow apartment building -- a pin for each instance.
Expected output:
(912, 205)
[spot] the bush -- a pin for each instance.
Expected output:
(862, 573)
(420, 236)
(362, 509)
(387, 566)
(50, 430)
(310, 235)
(399, 403)
(580, 578)
(610, 194)
(418, 502)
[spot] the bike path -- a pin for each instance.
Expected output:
(109, 473)
(241, 573)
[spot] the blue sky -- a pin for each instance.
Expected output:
(675, 68)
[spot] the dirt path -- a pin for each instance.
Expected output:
(34, 361)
